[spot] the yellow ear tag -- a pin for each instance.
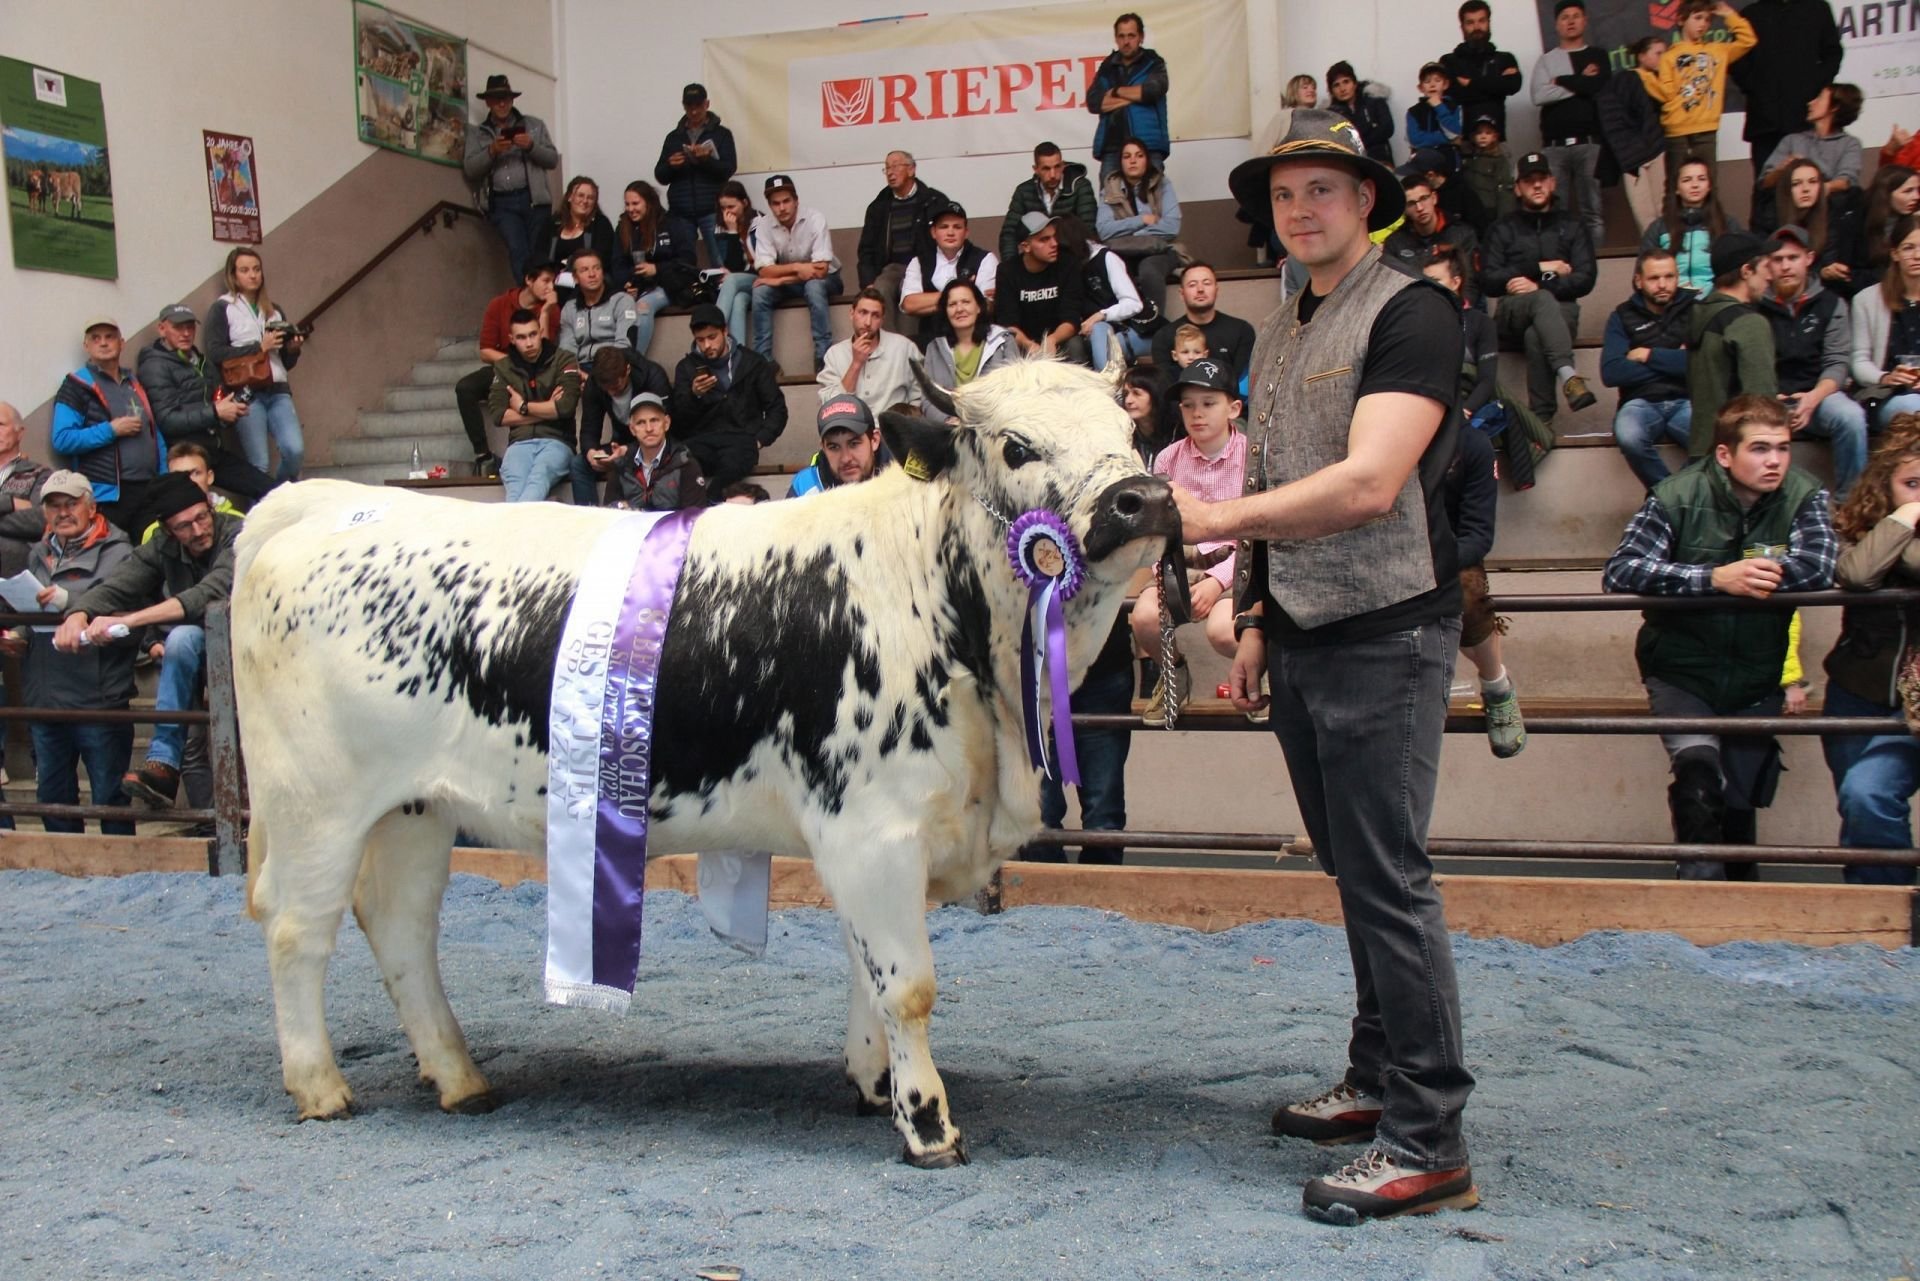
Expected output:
(917, 468)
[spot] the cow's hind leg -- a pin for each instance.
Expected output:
(306, 877)
(866, 1038)
(397, 902)
(886, 923)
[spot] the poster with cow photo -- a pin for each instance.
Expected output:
(233, 187)
(59, 188)
(411, 85)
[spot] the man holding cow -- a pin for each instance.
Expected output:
(1350, 609)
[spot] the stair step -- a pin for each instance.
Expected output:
(448, 449)
(410, 423)
(361, 474)
(467, 349)
(441, 373)
(439, 396)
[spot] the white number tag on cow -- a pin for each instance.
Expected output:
(359, 516)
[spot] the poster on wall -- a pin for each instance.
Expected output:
(59, 188)
(233, 187)
(964, 84)
(1882, 55)
(411, 84)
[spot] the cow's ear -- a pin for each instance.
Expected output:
(924, 447)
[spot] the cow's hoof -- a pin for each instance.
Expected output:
(864, 1106)
(945, 1159)
(330, 1111)
(473, 1105)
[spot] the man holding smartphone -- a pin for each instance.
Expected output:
(508, 156)
(696, 160)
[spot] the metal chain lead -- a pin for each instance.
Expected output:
(1170, 705)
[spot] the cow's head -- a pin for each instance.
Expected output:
(1041, 434)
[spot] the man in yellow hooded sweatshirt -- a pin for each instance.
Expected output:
(1691, 85)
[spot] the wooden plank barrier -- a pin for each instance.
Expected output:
(1530, 909)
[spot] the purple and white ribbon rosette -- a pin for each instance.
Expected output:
(1047, 558)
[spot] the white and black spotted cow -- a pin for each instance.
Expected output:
(839, 681)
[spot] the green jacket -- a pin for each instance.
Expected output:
(162, 568)
(1729, 658)
(554, 371)
(1730, 351)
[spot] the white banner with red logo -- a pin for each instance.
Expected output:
(964, 84)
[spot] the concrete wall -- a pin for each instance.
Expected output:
(159, 72)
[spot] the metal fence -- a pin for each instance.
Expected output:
(226, 854)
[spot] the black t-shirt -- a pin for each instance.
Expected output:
(1229, 341)
(1037, 303)
(1414, 347)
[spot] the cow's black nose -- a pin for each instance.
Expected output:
(1137, 507)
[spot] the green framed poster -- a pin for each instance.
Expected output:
(410, 82)
(59, 188)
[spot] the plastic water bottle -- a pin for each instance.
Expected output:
(416, 470)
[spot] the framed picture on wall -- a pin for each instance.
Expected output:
(410, 82)
(59, 187)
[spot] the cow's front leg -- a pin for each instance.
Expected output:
(866, 1038)
(886, 926)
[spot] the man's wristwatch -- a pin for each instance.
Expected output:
(1248, 622)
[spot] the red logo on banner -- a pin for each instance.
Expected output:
(846, 102)
(949, 93)
(1663, 16)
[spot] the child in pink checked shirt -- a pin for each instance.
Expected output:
(1211, 464)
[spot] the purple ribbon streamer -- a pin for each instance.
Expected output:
(626, 750)
(1056, 620)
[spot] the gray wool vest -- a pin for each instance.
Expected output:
(1300, 398)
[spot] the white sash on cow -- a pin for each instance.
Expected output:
(600, 741)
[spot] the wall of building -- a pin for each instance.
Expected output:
(162, 82)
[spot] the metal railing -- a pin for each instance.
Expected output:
(1564, 851)
(443, 213)
(225, 852)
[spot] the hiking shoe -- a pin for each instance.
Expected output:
(1374, 1187)
(1577, 394)
(155, 784)
(1341, 1115)
(1506, 732)
(1157, 701)
(486, 465)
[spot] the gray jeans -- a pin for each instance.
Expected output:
(1544, 327)
(1361, 727)
(1576, 175)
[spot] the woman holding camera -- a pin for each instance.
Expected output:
(244, 322)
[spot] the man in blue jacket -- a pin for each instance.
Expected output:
(1129, 94)
(104, 428)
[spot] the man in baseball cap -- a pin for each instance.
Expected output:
(192, 408)
(1812, 347)
(850, 447)
(1348, 575)
(1729, 342)
(697, 159)
(1041, 298)
(954, 256)
(1537, 262)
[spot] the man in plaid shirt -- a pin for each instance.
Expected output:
(1744, 522)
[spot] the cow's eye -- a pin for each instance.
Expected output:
(1018, 454)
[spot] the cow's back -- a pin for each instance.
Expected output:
(390, 647)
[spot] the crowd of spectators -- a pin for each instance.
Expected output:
(1799, 318)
